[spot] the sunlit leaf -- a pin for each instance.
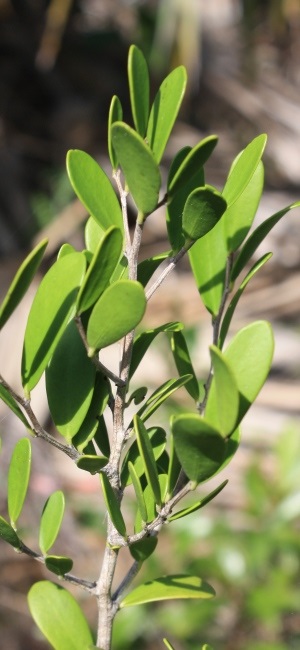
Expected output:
(143, 341)
(160, 395)
(118, 311)
(203, 209)
(8, 534)
(192, 162)
(175, 203)
(93, 234)
(65, 249)
(164, 111)
(115, 115)
(58, 564)
(168, 587)
(199, 447)
(21, 281)
(113, 506)
(138, 491)
(146, 452)
(239, 216)
(223, 399)
(12, 404)
(168, 644)
(138, 78)
(200, 504)
(174, 469)
(51, 520)
(157, 437)
(244, 169)
(58, 616)
(52, 308)
(183, 362)
(18, 479)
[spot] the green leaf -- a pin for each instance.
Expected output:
(115, 115)
(146, 268)
(199, 447)
(174, 469)
(101, 437)
(183, 363)
(256, 238)
(147, 455)
(21, 281)
(143, 341)
(223, 398)
(203, 209)
(239, 216)
(138, 491)
(58, 616)
(168, 644)
(58, 564)
(138, 77)
(249, 355)
(138, 395)
(102, 266)
(168, 587)
(200, 504)
(190, 165)
(164, 111)
(91, 463)
(241, 173)
(65, 249)
(160, 395)
(208, 261)
(113, 506)
(51, 520)
(157, 437)
(94, 189)
(93, 234)
(140, 551)
(18, 479)
(90, 423)
(70, 380)
(139, 167)
(118, 311)
(52, 308)
(12, 404)
(150, 502)
(234, 301)
(8, 534)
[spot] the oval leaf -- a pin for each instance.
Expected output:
(12, 404)
(113, 506)
(139, 167)
(183, 363)
(192, 162)
(203, 209)
(146, 268)
(138, 77)
(21, 281)
(70, 379)
(223, 398)
(199, 447)
(18, 479)
(115, 115)
(93, 234)
(51, 520)
(147, 455)
(118, 311)
(58, 616)
(168, 587)
(242, 172)
(164, 111)
(58, 564)
(94, 189)
(52, 308)
(8, 534)
(239, 216)
(143, 549)
(91, 463)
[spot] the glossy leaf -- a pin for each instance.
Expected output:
(249, 355)
(168, 587)
(115, 115)
(58, 564)
(70, 379)
(143, 341)
(203, 209)
(242, 172)
(183, 362)
(160, 395)
(138, 77)
(113, 505)
(93, 234)
(192, 163)
(18, 479)
(234, 301)
(58, 616)
(239, 216)
(21, 281)
(52, 308)
(199, 447)
(139, 167)
(8, 534)
(200, 504)
(94, 189)
(146, 452)
(92, 463)
(90, 423)
(12, 404)
(164, 111)
(147, 267)
(255, 239)
(138, 491)
(208, 261)
(222, 406)
(102, 266)
(140, 551)
(118, 311)
(157, 437)
(51, 520)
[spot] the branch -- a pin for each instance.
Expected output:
(173, 261)
(127, 580)
(123, 198)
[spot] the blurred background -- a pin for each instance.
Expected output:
(60, 63)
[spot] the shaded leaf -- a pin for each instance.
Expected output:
(168, 587)
(12, 404)
(199, 447)
(93, 234)
(141, 172)
(174, 469)
(8, 534)
(18, 479)
(101, 437)
(115, 115)
(164, 111)
(90, 423)
(143, 341)
(183, 363)
(157, 437)
(113, 506)
(140, 551)
(203, 209)
(21, 281)
(146, 452)
(58, 564)
(160, 395)
(147, 267)
(239, 216)
(58, 616)
(51, 520)
(223, 399)
(118, 311)
(138, 77)
(200, 504)
(92, 463)
(190, 165)
(52, 308)
(138, 491)
(242, 172)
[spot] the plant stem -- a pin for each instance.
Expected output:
(173, 261)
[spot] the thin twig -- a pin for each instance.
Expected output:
(173, 261)
(127, 580)
(123, 198)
